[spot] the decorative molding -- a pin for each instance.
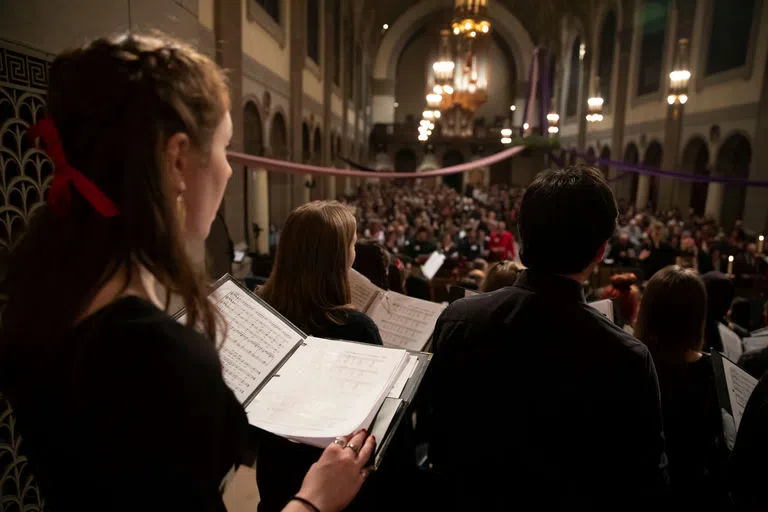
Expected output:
(258, 72)
(277, 30)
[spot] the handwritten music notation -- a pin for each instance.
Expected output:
(256, 340)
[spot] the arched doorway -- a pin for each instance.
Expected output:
(733, 161)
(253, 136)
(696, 161)
(450, 158)
(306, 155)
(405, 160)
(279, 182)
(653, 159)
(605, 154)
(632, 157)
(572, 158)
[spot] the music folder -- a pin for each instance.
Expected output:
(734, 386)
(310, 390)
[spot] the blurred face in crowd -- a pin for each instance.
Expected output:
(422, 236)
(624, 239)
(752, 249)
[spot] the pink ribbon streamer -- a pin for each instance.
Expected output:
(260, 162)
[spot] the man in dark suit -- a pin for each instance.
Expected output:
(536, 398)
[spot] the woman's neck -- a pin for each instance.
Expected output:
(142, 284)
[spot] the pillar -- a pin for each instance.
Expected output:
(671, 155)
(619, 97)
(227, 24)
(297, 56)
(260, 207)
(330, 25)
(643, 191)
(585, 65)
(714, 205)
(756, 206)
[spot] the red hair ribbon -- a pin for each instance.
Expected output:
(59, 196)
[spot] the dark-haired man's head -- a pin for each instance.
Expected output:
(422, 235)
(571, 207)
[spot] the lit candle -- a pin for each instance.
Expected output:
(730, 265)
(760, 241)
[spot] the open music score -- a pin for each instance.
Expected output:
(327, 387)
(255, 343)
(363, 290)
(404, 322)
(307, 389)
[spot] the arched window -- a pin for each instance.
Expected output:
(606, 48)
(654, 27)
(729, 39)
(574, 76)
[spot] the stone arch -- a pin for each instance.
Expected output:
(605, 154)
(317, 145)
(253, 144)
(408, 23)
(277, 135)
(696, 161)
(590, 156)
(306, 147)
(733, 161)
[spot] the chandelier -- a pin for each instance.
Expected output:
(595, 104)
(679, 77)
(457, 82)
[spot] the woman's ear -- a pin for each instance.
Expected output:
(178, 159)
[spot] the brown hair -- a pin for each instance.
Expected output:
(115, 103)
(672, 313)
(501, 274)
(309, 283)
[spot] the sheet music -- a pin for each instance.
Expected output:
(433, 264)
(257, 340)
(755, 343)
(605, 307)
(363, 290)
(404, 322)
(326, 389)
(402, 380)
(740, 385)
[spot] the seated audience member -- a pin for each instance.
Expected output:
(470, 246)
(585, 431)
(747, 266)
(623, 287)
(309, 286)
(449, 248)
(372, 260)
(421, 247)
(671, 324)
(623, 253)
(747, 470)
(657, 253)
(502, 244)
(688, 255)
(718, 337)
(501, 274)
(478, 276)
(120, 406)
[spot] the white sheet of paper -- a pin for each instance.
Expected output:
(326, 389)
(755, 343)
(384, 418)
(404, 322)
(740, 386)
(363, 290)
(433, 264)
(402, 380)
(256, 340)
(605, 307)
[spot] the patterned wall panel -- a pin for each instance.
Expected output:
(25, 171)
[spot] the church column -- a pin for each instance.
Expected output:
(643, 191)
(260, 200)
(329, 58)
(227, 23)
(619, 98)
(756, 208)
(298, 56)
(585, 65)
(714, 204)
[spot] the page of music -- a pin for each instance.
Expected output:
(404, 322)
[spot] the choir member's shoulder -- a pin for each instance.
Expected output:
(480, 306)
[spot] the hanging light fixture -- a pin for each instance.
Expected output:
(680, 76)
(471, 18)
(553, 118)
(595, 104)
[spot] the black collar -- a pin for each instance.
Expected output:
(554, 285)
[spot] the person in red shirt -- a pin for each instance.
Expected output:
(502, 244)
